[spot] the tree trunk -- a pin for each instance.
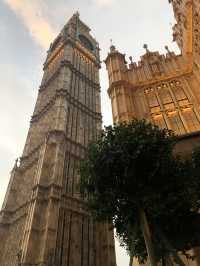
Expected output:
(163, 261)
(131, 261)
(147, 237)
(168, 245)
(169, 261)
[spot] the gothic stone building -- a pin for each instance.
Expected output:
(164, 89)
(44, 221)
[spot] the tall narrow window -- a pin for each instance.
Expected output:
(191, 119)
(176, 123)
(179, 93)
(166, 98)
(165, 95)
(159, 121)
(152, 101)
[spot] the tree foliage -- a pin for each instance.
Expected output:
(132, 166)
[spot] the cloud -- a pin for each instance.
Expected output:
(104, 3)
(32, 13)
(17, 99)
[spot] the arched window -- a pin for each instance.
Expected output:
(87, 43)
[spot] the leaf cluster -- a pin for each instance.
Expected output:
(132, 166)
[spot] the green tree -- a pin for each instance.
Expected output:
(132, 178)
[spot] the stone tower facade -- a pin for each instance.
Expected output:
(164, 89)
(44, 221)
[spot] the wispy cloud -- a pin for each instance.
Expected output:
(32, 13)
(104, 3)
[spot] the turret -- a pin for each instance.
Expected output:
(120, 91)
(115, 64)
(183, 29)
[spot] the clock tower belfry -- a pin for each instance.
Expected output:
(44, 220)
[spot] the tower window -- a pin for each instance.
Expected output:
(87, 43)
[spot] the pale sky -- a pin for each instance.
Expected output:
(26, 29)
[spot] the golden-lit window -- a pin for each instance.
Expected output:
(169, 106)
(179, 93)
(166, 98)
(183, 103)
(165, 95)
(151, 98)
(159, 121)
(155, 109)
(176, 123)
(191, 119)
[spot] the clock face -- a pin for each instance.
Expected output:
(85, 42)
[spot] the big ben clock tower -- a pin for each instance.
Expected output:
(44, 221)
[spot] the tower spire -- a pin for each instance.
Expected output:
(77, 14)
(145, 46)
(112, 47)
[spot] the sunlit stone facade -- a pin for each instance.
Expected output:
(161, 88)
(164, 89)
(44, 221)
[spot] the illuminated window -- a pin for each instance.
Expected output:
(165, 95)
(179, 93)
(191, 119)
(176, 123)
(151, 98)
(152, 101)
(169, 106)
(155, 109)
(159, 121)
(183, 103)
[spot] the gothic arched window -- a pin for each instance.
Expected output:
(87, 43)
